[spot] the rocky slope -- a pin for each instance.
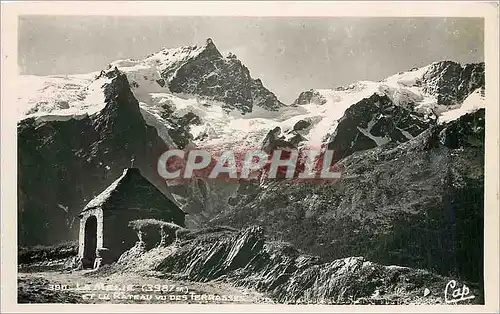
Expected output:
(418, 204)
(223, 263)
(247, 259)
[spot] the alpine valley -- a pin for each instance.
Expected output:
(410, 149)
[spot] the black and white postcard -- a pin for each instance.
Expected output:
(277, 156)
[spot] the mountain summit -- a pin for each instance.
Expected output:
(203, 71)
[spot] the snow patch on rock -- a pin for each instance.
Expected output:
(472, 103)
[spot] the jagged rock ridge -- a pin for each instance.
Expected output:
(452, 82)
(247, 259)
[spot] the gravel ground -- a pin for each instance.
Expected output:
(85, 287)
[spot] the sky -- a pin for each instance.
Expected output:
(289, 55)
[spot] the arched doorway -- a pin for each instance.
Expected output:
(90, 241)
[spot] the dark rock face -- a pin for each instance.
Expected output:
(301, 125)
(179, 127)
(374, 119)
(287, 275)
(310, 96)
(62, 165)
(417, 204)
(275, 140)
(468, 133)
(451, 82)
(223, 79)
(285, 139)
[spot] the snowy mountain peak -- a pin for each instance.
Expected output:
(200, 71)
(209, 44)
(176, 56)
(368, 114)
